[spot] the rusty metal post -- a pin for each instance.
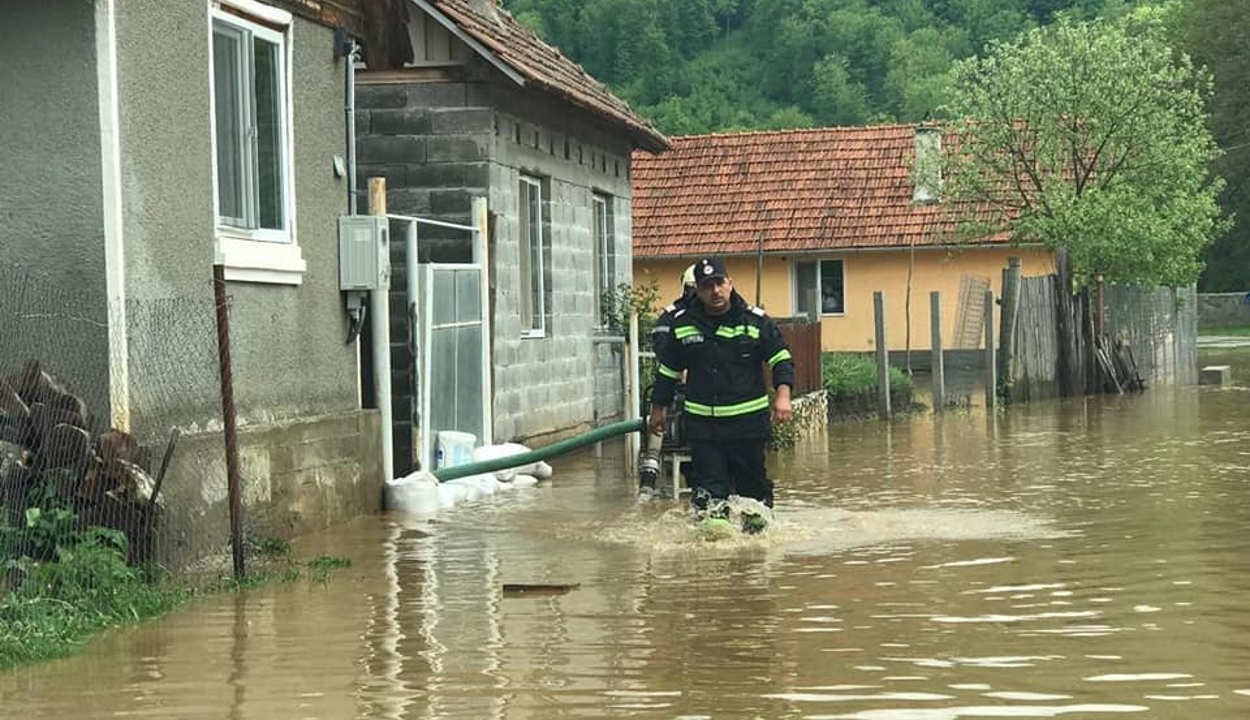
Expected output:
(229, 420)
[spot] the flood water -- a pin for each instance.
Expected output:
(1085, 559)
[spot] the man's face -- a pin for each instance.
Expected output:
(714, 294)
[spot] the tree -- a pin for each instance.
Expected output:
(1217, 34)
(1090, 137)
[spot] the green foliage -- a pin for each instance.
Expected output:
(618, 305)
(321, 566)
(85, 585)
(699, 66)
(1090, 136)
(847, 374)
(1216, 33)
(88, 587)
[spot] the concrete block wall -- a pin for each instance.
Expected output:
(551, 387)
(296, 477)
(433, 148)
(439, 144)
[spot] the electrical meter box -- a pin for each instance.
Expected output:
(364, 258)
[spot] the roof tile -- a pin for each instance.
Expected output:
(792, 190)
(545, 66)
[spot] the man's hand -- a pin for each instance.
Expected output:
(655, 423)
(782, 411)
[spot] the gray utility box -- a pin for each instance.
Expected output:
(364, 259)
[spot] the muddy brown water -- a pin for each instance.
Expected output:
(1084, 559)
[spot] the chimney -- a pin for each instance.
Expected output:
(926, 174)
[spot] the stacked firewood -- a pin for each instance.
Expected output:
(51, 461)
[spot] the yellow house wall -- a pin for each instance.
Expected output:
(865, 273)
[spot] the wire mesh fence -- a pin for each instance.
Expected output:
(117, 431)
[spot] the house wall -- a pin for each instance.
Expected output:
(431, 146)
(52, 282)
(441, 143)
(865, 273)
(545, 388)
(291, 367)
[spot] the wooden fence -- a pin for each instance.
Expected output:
(803, 337)
(1153, 329)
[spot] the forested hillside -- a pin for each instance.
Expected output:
(697, 66)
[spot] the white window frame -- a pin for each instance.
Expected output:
(263, 255)
(605, 252)
(820, 281)
(532, 276)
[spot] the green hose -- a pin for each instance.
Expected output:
(560, 448)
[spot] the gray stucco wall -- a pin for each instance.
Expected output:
(290, 360)
(309, 455)
(52, 283)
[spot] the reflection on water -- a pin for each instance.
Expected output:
(1076, 560)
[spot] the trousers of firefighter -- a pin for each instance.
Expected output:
(654, 444)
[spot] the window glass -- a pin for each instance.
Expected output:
(532, 257)
(249, 96)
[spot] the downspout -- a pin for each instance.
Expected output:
(346, 47)
(113, 227)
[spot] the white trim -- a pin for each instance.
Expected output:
(258, 10)
(539, 312)
(114, 228)
(259, 255)
(250, 261)
(819, 278)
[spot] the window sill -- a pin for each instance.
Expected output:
(254, 261)
(533, 335)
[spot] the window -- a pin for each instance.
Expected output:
(251, 115)
(823, 280)
(605, 258)
(535, 258)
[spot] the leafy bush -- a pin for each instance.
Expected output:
(847, 374)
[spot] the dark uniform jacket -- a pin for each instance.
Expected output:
(662, 331)
(726, 396)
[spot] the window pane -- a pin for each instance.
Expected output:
(536, 256)
(228, 95)
(831, 295)
(605, 257)
(269, 95)
(527, 274)
(804, 287)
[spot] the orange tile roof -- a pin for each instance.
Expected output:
(546, 67)
(796, 190)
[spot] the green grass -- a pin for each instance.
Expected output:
(88, 587)
(1236, 331)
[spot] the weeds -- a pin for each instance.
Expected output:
(87, 587)
(81, 584)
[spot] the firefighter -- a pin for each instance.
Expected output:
(721, 344)
(661, 333)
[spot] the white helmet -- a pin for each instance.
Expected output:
(687, 278)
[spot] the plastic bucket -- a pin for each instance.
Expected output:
(453, 448)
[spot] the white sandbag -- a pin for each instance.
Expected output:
(537, 468)
(414, 494)
(522, 481)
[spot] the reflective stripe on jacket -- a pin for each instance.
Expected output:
(725, 356)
